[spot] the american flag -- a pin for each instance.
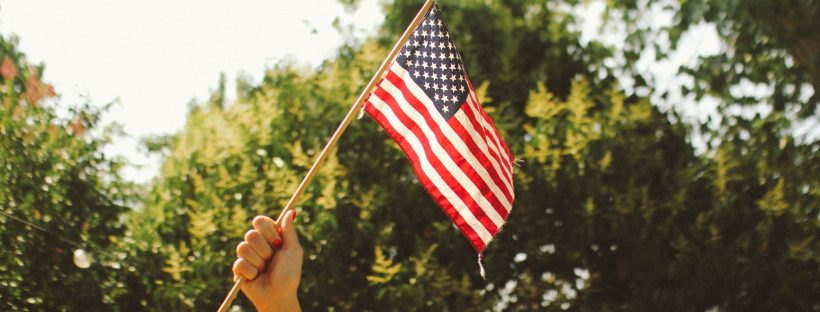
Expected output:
(428, 106)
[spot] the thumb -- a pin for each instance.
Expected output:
(289, 236)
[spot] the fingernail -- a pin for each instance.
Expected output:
(277, 243)
(279, 231)
(294, 215)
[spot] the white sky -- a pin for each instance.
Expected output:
(155, 56)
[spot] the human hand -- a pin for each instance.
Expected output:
(270, 260)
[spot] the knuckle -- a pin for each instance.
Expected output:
(258, 221)
(236, 265)
(269, 233)
(252, 235)
(243, 268)
(242, 248)
(264, 249)
(248, 270)
(249, 234)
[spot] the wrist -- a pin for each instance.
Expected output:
(285, 304)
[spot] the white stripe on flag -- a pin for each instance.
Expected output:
(456, 141)
(445, 159)
(484, 144)
(488, 129)
(431, 172)
(503, 174)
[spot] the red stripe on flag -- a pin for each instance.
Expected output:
(468, 125)
(454, 154)
(497, 173)
(464, 136)
(488, 121)
(442, 200)
(437, 163)
(471, 115)
(489, 135)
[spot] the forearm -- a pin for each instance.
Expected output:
(287, 304)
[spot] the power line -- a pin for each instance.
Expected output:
(26, 222)
(77, 244)
(100, 254)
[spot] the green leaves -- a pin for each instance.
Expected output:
(61, 192)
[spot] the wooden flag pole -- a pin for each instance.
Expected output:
(336, 135)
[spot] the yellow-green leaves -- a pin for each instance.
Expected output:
(383, 268)
(542, 103)
(568, 128)
(202, 225)
(175, 264)
(481, 93)
(773, 202)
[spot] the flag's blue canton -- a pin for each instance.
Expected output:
(431, 58)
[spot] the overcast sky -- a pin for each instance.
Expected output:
(156, 55)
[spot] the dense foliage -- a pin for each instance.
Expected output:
(615, 208)
(58, 194)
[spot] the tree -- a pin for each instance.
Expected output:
(58, 193)
(231, 163)
(765, 44)
(615, 209)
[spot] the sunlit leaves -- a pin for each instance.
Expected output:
(175, 264)
(383, 268)
(542, 103)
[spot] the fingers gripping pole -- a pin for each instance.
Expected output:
(241, 280)
(336, 135)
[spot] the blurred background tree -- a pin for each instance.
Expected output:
(58, 195)
(774, 46)
(616, 207)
